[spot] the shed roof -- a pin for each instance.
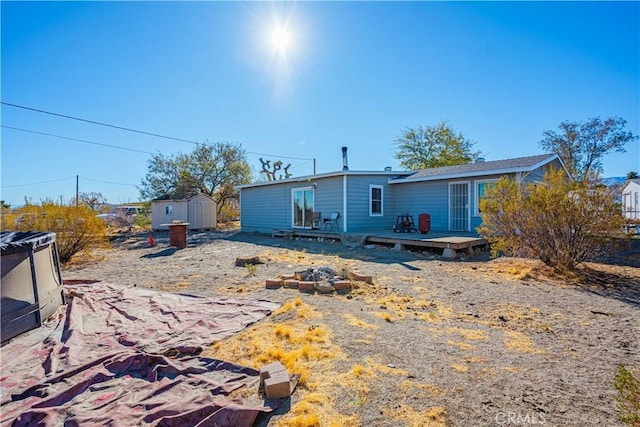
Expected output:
(169, 199)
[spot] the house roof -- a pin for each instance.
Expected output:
(629, 181)
(391, 174)
(494, 167)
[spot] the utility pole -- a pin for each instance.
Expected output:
(76, 191)
(314, 166)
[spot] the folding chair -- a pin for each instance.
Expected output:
(331, 221)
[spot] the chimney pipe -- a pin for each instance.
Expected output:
(345, 163)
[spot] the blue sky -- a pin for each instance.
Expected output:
(355, 74)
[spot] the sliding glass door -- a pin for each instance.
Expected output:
(302, 199)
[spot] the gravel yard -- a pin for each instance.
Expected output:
(430, 342)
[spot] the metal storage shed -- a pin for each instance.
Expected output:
(199, 211)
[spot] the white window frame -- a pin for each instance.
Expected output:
(371, 187)
(476, 194)
(168, 210)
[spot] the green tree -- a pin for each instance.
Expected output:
(211, 169)
(433, 146)
(632, 175)
(560, 221)
(581, 146)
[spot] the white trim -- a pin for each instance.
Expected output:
(303, 189)
(468, 204)
(309, 178)
(476, 198)
(371, 187)
(344, 203)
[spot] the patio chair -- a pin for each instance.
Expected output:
(315, 222)
(331, 221)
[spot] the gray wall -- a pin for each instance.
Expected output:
(429, 197)
(358, 203)
(268, 207)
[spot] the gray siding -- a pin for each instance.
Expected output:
(538, 174)
(358, 204)
(264, 208)
(431, 197)
(328, 198)
(270, 206)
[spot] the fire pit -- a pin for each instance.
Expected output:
(321, 279)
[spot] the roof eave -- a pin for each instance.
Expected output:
(321, 175)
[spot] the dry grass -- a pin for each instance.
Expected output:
(304, 348)
(397, 307)
(431, 417)
(174, 287)
(517, 341)
(354, 321)
(469, 334)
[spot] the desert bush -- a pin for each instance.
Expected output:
(558, 221)
(627, 384)
(76, 228)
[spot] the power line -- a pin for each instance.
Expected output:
(279, 157)
(107, 182)
(97, 123)
(38, 183)
(132, 130)
(77, 140)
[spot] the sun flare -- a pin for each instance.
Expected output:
(280, 39)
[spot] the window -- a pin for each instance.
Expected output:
(168, 209)
(481, 189)
(375, 200)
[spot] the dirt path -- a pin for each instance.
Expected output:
(430, 342)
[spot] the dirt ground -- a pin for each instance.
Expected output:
(483, 342)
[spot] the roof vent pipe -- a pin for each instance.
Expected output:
(387, 169)
(345, 163)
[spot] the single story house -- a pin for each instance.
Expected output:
(373, 200)
(199, 211)
(631, 199)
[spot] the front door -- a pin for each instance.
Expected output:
(302, 200)
(459, 213)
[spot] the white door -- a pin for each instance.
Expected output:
(302, 209)
(459, 212)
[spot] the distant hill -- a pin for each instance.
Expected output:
(613, 180)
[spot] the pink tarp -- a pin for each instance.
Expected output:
(127, 356)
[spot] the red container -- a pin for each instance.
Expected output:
(424, 223)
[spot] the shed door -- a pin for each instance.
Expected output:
(459, 213)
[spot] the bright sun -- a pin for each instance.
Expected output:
(280, 39)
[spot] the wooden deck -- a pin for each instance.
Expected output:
(451, 243)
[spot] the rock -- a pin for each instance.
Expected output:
(241, 262)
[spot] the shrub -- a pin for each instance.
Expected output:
(76, 228)
(561, 222)
(627, 384)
